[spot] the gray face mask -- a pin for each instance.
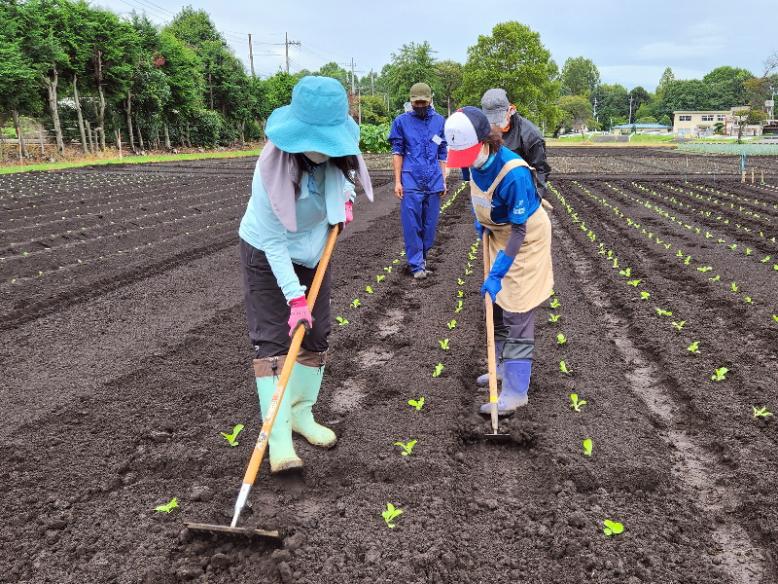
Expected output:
(316, 157)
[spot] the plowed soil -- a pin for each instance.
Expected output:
(118, 372)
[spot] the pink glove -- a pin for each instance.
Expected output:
(349, 212)
(299, 314)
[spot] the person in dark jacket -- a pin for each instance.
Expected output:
(419, 149)
(518, 134)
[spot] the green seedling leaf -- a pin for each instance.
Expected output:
(766, 259)
(645, 295)
(341, 321)
(444, 344)
(775, 318)
(761, 412)
(438, 370)
(555, 303)
(561, 339)
(406, 446)
(704, 269)
(734, 288)
(390, 514)
(634, 283)
(167, 507)
(369, 289)
(575, 403)
(720, 374)
(694, 347)
(615, 263)
(395, 261)
(588, 445)
(749, 251)
(748, 300)
(663, 312)
(554, 317)
(564, 368)
(232, 439)
(775, 267)
(379, 278)
(626, 272)
(356, 303)
(679, 254)
(468, 272)
(459, 307)
(460, 282)
(402, 254)
(452, 324)
(678, 325)
(460, 293)
(715, 278)
(611, 528)
(733, 247)
(417, 403)
(687, 260)
(388, 269)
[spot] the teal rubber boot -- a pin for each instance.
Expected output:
(282, 455)
(305, 384)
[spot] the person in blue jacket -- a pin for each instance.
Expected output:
(419, 160)
(302, 186)
(508, 207)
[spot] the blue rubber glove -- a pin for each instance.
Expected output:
(493, 283)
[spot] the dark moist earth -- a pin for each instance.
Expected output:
(119, 372)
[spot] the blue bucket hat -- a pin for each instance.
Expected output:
(317, 120)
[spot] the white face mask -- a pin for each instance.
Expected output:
(316, 157)
(482, 157)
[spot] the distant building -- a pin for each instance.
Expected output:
(696, 124)
(641, 129)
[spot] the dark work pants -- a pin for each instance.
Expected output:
(517, 329)
(267, 312)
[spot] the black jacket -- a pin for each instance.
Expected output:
(525, 139)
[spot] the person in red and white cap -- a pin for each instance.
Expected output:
(506, 203)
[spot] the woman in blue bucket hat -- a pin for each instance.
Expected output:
(303, 184)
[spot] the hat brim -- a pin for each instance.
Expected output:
(463, 158)
(293, 135)
(496, 117)
(425, 98)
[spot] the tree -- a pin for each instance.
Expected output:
(683, 95)
(182, 69)
(450, 75)
(513, 58)
(725, 86)
(413, 63)
(612, 104)
(579, 76)
(667, 78)
(335, 71)
(638, 97)
(577, 113)
(374, 110)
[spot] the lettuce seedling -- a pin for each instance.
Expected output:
(645, 295)
(704, 269)
(611, 528)
(679, 254)
(369, 289)
(564, 368)
(733, 247)
(720, 374)
(438, 370)
(406, 446)
(748, 300)
(749, 251)
(555, 303)
(588, 445)
(460, 282)
(766, 259)
(775, 267)
(232, 439)
(554, 317)
(663, 312)
(627, 272)
(167, 507)
(417, 403)
(734, 287)
(468, 272)
(388, 269)
(694, 347)
(678, 325)
(715, 278)
(775, 317)
(390, 514)
(615, 263)
(687, 260)
(761, 412)
(634, 283)
(561, 339)
(459, 307)
(452, 324)
(379, 278)
(395, 261)
(460, 293)
(356, 303)
(444, 344)
(341, 321)
(575, 403)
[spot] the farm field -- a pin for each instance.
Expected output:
(124, 356)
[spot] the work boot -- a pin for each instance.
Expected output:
(305, 384)
(515, 385)
(483, 380)
(282, 455)
(420, 275)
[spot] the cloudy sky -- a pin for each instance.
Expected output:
(631, 42)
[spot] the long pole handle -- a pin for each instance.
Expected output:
(491, 352)
(258, 454)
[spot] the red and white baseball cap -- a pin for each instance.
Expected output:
(465, 130)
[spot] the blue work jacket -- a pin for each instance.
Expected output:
(422, 144)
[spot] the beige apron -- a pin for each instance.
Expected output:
(531, 277)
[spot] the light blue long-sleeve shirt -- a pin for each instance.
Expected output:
(320, 203)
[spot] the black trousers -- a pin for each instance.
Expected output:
(267, 312)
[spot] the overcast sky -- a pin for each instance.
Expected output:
(631, 42)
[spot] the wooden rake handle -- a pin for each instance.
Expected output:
(491, 352)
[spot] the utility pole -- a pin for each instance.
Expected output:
(352, 76)
(251, 57)
(372, 83)
(287, 42)
(594, 110)
(631, 97)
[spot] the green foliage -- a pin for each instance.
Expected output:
(577, 113)
(579, 76)
(413, 63)
(341, 321)
(564, 368)
(444, 344)
(452, 324)
(678, 325)
(417, 404)
(552, 318)
(438, 370)
(167, 507)
(588, 446)
(561, 339)
(374, 139)
(232, 439)
(761, 412)
(719, 374)
(390, 514)
(611, 528)
(575, 403)
(407, 447)
(694, 347)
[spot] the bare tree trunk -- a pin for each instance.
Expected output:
(101, 95)
(140, 137)
(43, 145)
(118, 137)
(186, 136)
(19, 137)
(167, 139)
(51, 86)
(89, 136)
(80, 114)
(243, 133)
(129, 122)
